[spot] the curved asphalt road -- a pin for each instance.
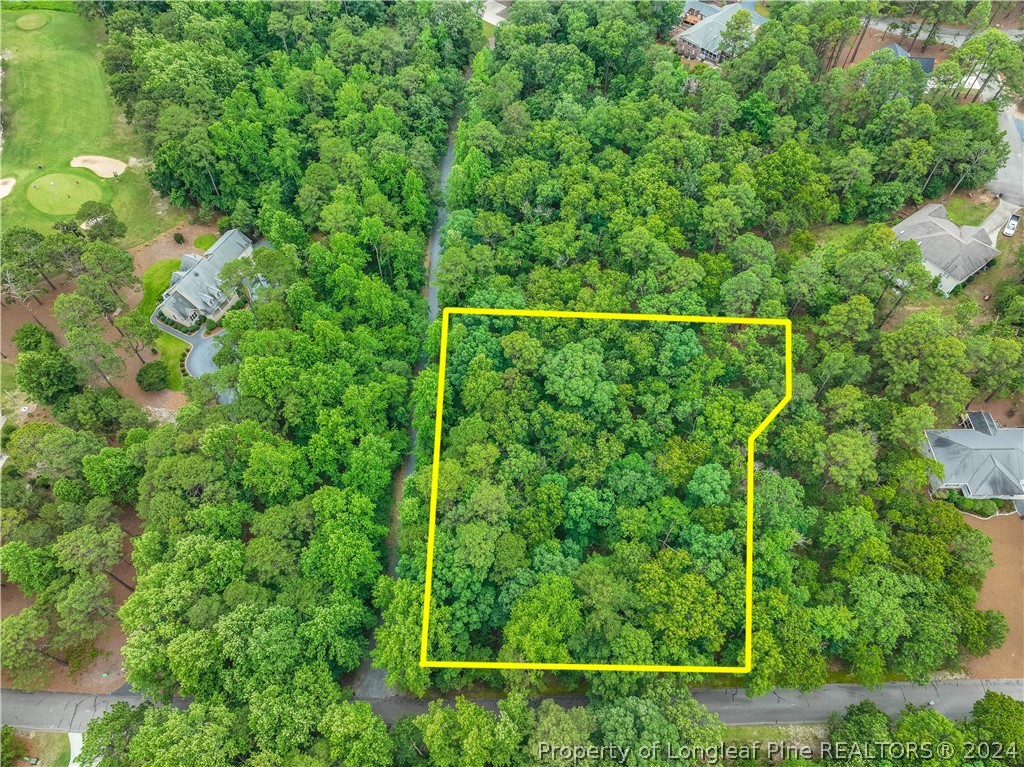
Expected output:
(945, 35)
(68, 712)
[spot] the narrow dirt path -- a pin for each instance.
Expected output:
(368, 682)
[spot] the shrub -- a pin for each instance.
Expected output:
(31, 338)
(177, 325)
(179, 238)
(152, 376)
(46, 376)
(981, 507)
(12, 748)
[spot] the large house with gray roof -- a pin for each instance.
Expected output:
(195, 289)
(703, 41)
(950, 252)
(982, 460)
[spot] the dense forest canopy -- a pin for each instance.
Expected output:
(588, 470)
(590, 505)
(609, 183)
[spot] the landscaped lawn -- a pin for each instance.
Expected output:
(59, 107)
(1005, 267)
(966, 213)
(154, 282)
(837, 232)
(52, 749)
(205, 241)
(170, 349)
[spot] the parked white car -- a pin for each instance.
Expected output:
(1011, 226)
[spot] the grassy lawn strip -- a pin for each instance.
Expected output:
(67, 6)
(7, 382)
(154, 282)
(56, 95)
(788, 736)
(965, 213)
(170, 349)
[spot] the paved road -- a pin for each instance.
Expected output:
(1009, 181)
(200, 358)
(953, 698)
(67, 712)
(944, 35)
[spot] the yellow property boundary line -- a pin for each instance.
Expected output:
(747, 658)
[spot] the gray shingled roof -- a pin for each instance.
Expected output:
(230, 246)
(986, 462)
(705, 9)
(196, 284)
(927, 64)
(707, 33)
(952, 253)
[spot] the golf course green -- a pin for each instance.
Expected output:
(56, 94)
(30, 21)
(61, 193)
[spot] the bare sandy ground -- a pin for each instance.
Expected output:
(91, 679)
(104, 167)
(1008, 412)
(14, 315)
(6, 186)
(876, 39)
(159, 404)
(1003, 591)
(163, 245)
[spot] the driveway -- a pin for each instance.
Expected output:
(1009, 181)
(953, 698)
(200, 359)
(992, 226)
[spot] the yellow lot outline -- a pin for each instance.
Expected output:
(747, 657)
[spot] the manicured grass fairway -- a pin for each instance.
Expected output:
(59, 107)
(154, 282)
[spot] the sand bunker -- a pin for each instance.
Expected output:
(6, 186)
(104, 167)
